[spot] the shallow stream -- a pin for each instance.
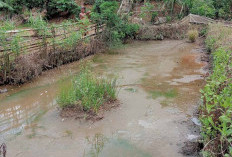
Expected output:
(159, 83)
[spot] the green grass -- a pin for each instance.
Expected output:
(87, 91)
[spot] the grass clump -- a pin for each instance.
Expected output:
(87, 91)
(192, 35)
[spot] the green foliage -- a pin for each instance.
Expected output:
(209, 8)
(87, 91)
(117, 29)
(6, 7)
(153, 16)
(56, 6)
(168, 18)
(53, 7)
(39, 24)
(146, 10)
(203, 7)
(216, 111)
(14, 43)
(6, 25)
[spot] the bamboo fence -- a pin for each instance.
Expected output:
(32, 42)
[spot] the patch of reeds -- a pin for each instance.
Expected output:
(193, 35)
(87, 91)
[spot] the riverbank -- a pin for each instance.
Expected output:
(215, 112)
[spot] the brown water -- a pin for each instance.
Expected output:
(159, 89)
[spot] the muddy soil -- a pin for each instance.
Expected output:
(159, 89)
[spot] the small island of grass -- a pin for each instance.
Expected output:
(87, 96)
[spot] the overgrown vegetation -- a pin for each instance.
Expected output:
(87, 91)
(210, 8)
(116, 29)
(216, 111)
(52, 7)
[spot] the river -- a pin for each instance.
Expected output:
(159, 83)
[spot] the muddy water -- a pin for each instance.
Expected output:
(159, 85)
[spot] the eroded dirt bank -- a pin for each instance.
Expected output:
(159, 90)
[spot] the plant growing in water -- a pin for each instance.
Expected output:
(192, 35)
(87, 91)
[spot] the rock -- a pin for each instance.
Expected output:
(3, 90)
(193, 138)
(196, 121)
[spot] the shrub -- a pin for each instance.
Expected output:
(192, 35)
(87, 91)
(55, 7)
(203, 7)
(117, 29)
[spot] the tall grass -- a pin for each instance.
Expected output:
(192, 35)
(87, 91)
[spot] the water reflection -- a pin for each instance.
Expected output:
(16, 112)
(113, 147)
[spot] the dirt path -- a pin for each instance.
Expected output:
(160, 82)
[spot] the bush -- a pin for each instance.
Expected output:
(192, 35)
(57, 6)
(117, 29)
(203, 7)
(87, 91)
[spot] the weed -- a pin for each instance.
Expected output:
(87, 91)
(192, 35)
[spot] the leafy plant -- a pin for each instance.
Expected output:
(116, 29)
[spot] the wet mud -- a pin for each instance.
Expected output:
(159, 83)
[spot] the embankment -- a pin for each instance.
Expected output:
(28, 66)
(215, 112)
(172, 31)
